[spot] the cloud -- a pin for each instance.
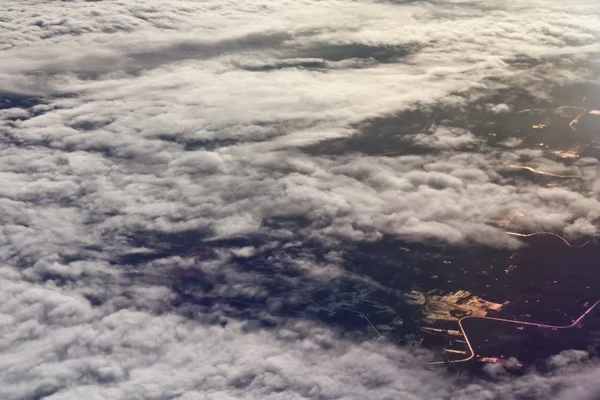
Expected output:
(443, 139)
(72, 349)
(135, 131)
(56, 344)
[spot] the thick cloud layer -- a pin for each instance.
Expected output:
(130, 125)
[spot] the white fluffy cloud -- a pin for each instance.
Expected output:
(124, 121)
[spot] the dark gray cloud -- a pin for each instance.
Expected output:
(134, 133)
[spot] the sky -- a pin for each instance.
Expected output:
(177, 178)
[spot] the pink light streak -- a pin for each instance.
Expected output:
(553, 327)
(539, 233)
